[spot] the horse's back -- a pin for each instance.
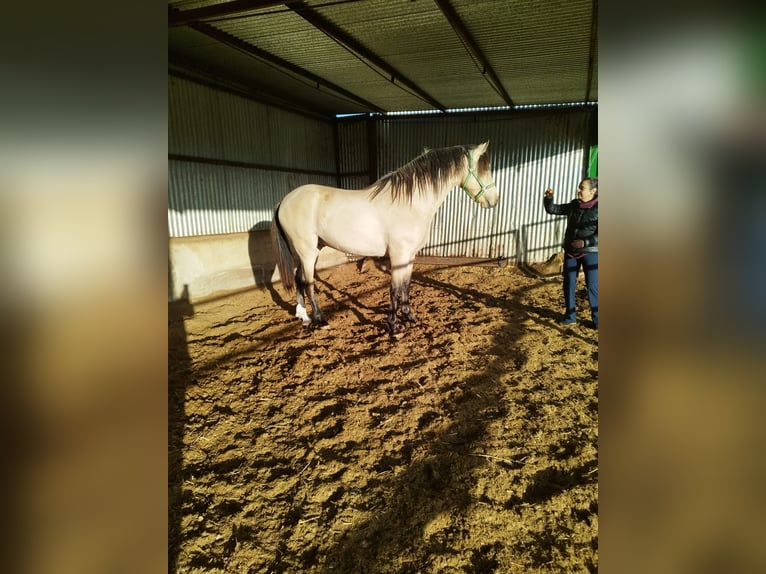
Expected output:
(346, 220)
(309, 196)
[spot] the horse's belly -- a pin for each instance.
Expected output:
(355, 234)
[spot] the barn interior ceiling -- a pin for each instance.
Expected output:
(334, 57)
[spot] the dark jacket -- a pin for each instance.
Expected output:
(581, 224)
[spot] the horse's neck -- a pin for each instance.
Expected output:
(441, 194)
(428, 201)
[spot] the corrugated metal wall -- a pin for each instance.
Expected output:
(354, 149)
(529, 152)
(232, 159)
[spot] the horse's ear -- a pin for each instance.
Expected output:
(481, 149)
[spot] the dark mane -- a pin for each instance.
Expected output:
(433, 168)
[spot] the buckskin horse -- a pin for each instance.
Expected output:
(391, 218)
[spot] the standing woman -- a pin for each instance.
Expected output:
(580, 245)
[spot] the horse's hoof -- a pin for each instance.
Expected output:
(396, 331)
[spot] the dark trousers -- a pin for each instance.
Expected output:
(589, 264)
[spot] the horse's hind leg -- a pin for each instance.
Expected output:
(300, 289)
(319, 319)
(308, 266)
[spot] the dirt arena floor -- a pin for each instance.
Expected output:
(467, 446)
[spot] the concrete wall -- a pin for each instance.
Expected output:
(201, 267)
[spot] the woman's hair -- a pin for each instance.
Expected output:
(593, 182)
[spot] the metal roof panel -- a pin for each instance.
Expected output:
(393, 55)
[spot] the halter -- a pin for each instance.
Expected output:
(472, 172)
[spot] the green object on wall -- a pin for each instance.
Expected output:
(593, 162)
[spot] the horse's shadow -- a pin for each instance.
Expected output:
(278, 299)
(342, 299)
(262, 264)
(449, 453)
(543, 315)
(374, 316)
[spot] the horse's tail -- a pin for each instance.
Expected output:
(284, 256)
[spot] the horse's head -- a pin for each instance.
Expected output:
(478, 181)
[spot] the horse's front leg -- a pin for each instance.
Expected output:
(404, 303)
(400, 298)
(393, 325)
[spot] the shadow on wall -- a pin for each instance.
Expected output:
(262, 262)
(260, 253)
(211, 265)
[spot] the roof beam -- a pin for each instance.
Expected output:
(181, 18)
(342, 38)
(213, 77)
(473, 48)
(255, 52)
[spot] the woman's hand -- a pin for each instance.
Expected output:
(549, 192)
(577, 244)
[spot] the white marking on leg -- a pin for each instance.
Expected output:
(300, 312)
